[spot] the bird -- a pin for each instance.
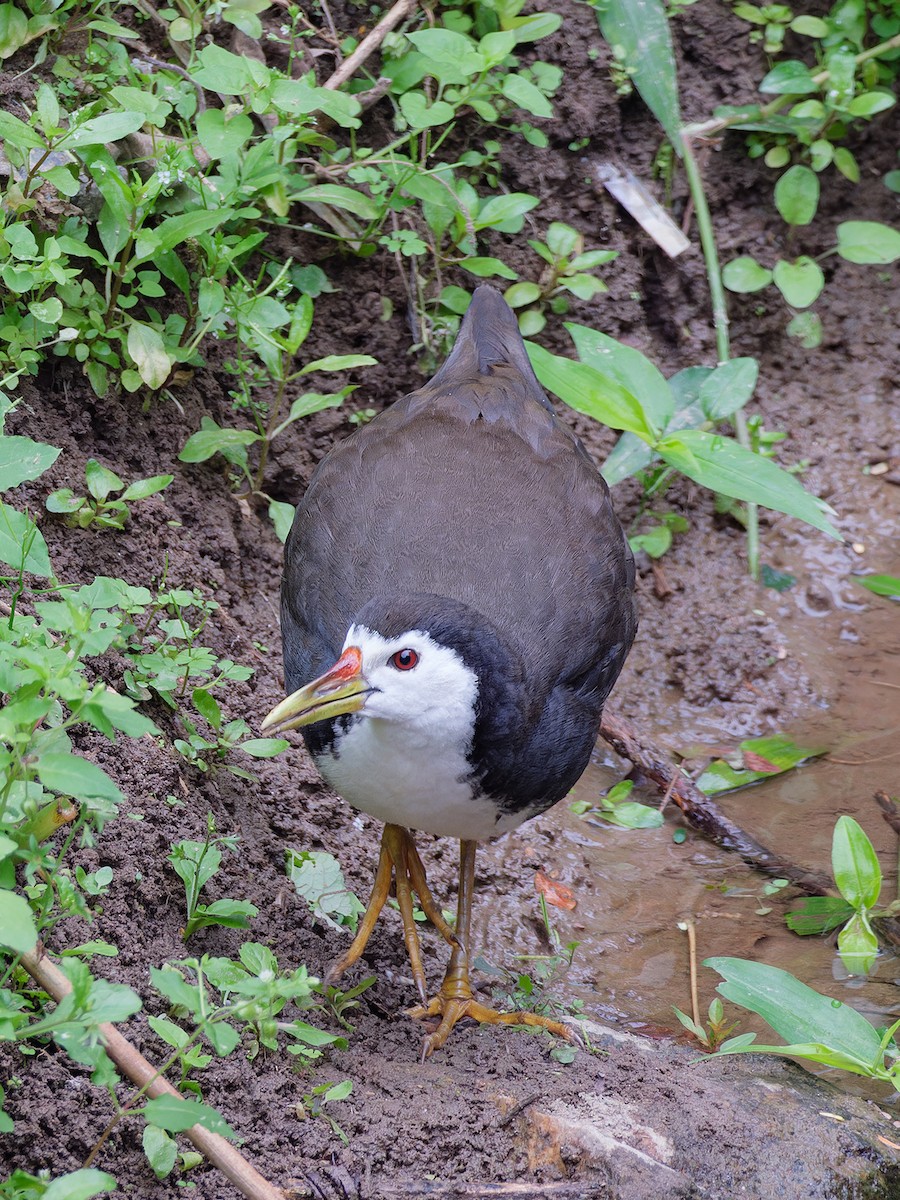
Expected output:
(457, 602)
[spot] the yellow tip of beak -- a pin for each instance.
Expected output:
(342, 689)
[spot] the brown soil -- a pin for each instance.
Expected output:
(715, 658)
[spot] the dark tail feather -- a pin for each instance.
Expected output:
(489, 335)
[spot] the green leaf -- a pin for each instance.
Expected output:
(174, 230)
(12, 130)
(855, 865)
(818, 914)
(221, 138)
(176, 1114)
(868, 242)
(149, 354)
(588, 391)
(787, 78)
(795, 1011)
(72, 775)
(800, 282)
(723, 465)
(519, 294)
(80, 1185)
(281, 515)
(13, 30)
(422, 115)
(846, 163)
(631, 815)
(339, 362)
(318, 878)
(22, 544)
(779, 754)
(745, 274)
(263, 747)
(655, 541)
(338, 1091)
(486, 268)
(22, 459)
(525, 95)
(18, 931)
(505, 212)
(728, 388)
(142, 488)
(160, 1149)
(867, 104)
(881, 585)
(797, 195)
(813, 27)
(858, 945)
(110, 127)
(639, 30)
(629, 368)
(229, 74)
(100, 480)
(337, 196)
(207, 706)
(206, 442)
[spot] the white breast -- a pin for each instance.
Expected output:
(404, 759)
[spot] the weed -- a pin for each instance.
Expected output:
(314, 1102)
(616, 809)
(100, 507)
(195, 863)
(717, 1030)
(318, 878)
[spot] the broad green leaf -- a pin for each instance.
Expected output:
(789, 78)
(758, 759)
(80, 1185)
(230, 74)
(628, 367)
(447, 46)
(631, 454)
(263, 747)
(639, 31)
(486, 268)
(110, 127)
(867, 104)
(868, 242)
(795, 1011)
(318, 878)
(13, 30)
(881, 585)
(655, 541)
(175, 1113)
(519, 294)
(22, 544)
(222, 138)
(206, 442)
(525, 95)
(858, 945)
(745, 274)
(723, 465)
(797, 195)
(728, 388)
(160, 1149)
(22, 459)
(811, 1051)
(281, 515)
(14, 131)
(422, 115)
(339, 1091)
(631, 815)
(173, 231)
(589, 391)
(299, 98)
(800, 282)
(505, 210)
(534, 27)
(72, 775)
(846, 164)
(818, 914)
(18, 931)
(149, 354)
(854, 864)
(100, 480)
(337, 196)
(207, 706)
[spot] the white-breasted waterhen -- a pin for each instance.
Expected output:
(459, 589)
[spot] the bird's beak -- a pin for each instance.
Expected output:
(342, 689)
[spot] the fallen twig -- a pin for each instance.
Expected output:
(399, 12)
(130, 1062)
(889, 810)
(703, 813)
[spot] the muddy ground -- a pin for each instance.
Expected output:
(716, 658)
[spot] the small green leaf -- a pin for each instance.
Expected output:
(206, 442)
(800, 282)
(867, 104)
(789, 78)
(72, 775)
(745, 274)
(422, 115)
(339, 362)
(79, 1185)
(728, 388)
(281, 515)
(97, 131)
(881, 585)
(655, 541)
(160, 1149)
(868, 242)
(337, 196)
(858, 945)
(505, 212)
(797, 195)
(855, 865)
(485, 268)
(264, 747)
(142, 488)
(525, 95)
(587, 390)
(100, 480)
(22, 544)
(520, 294)
(207, 706)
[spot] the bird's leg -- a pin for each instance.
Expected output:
(399, 859)
(455, 999)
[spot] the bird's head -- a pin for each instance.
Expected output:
(417, 662)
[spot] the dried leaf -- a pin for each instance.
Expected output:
(554, 893)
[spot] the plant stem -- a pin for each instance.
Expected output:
(720, 321)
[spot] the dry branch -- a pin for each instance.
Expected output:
(400, 11)
(130, 1062)
(703, 813)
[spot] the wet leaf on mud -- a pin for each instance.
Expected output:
(754, 759)
(554, 893)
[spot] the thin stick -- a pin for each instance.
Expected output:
(370, 43)
(691, 930)
(702, 812)
(130, 1062)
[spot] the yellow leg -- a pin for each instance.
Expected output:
(455, 999)
(399, 859)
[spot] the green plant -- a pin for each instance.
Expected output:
(717, 1028)
(616, 809)
(881, 585)
(100, 507)
(314, 1101)
(857, 874)
(816, 1027)
(195, 863)
(318, 878)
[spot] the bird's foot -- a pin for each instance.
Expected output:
(455, 1001)
(398, 861)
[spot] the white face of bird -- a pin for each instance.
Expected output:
(416, 681)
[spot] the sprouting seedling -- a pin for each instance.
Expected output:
(101, 507)
(195, 863)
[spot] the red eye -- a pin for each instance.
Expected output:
(404, 660)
